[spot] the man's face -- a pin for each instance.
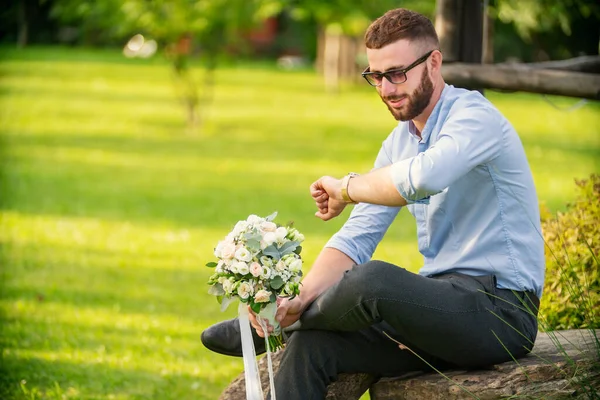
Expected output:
(406, 100)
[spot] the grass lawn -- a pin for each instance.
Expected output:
(110, 209)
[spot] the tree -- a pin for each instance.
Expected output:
(555, 28)
(341, 26)
(212, 25)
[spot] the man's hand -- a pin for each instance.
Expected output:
(326, 192)
(288, 312)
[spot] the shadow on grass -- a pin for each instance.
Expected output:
(133, 282)
(177, 181)
(101, 381)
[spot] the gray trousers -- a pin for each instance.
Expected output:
(451, 321)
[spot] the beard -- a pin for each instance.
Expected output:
(417, 101)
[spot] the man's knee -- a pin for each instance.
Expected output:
(373, 275)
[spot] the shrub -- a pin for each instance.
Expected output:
(571, 297)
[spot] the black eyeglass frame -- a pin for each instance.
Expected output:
(366, 73)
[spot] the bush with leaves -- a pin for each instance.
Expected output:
(571, 297)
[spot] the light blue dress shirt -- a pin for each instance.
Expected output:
(469, 186)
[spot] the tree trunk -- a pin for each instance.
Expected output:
(331, 60)
(459, 25)
(23, 34)
(471, 31)
(447, 26)
(487, 56)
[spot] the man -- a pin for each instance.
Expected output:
(459, 167)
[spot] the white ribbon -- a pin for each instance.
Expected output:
(251, 374)
(253, 387)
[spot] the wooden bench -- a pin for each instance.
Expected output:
(547, 372)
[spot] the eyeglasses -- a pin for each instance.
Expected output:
(395, 76)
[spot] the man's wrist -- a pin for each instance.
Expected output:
(344, 187)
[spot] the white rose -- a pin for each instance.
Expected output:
(219, 267)
(255, 269)
(298, 236)
(262, 296)
(296, 265)
(268, 226)
(242, 268)
(280, 265)
(222, 279)
(239, 228)
(234, 267)
(288, 259)
(266, 261)
(269, 238)
(280, 233)
(227, 286)
(228, 250)
(219, 248)
(243, 254)
(266, 272)
(254, 219)
(244, 290)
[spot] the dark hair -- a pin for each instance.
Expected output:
(401, 23)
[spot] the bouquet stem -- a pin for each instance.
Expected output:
(275, 342)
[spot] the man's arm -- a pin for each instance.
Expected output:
(327, 270)
(472, 137)
(376, 187)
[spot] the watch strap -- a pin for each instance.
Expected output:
(344, 188)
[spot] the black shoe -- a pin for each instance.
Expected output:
(225, 338)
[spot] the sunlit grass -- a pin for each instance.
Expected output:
(111, 207)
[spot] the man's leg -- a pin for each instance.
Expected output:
(455, 317)
(313, 359)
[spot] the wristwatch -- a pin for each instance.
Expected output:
(344, 189)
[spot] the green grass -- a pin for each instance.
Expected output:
(110, 208)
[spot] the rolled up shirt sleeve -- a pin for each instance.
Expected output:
(367, 224)
(469, 138)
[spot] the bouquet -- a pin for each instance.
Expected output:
(258, 262)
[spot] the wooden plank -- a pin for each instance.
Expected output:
(523, 78)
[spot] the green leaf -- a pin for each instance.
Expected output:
(211, 264)
(271, 251)
(272, 216)
(298, 250)
(255, 307)
(277, 282)
(216, 290)
(288, 248)
(253, 244)
(252, 236)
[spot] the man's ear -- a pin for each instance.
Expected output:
(436, 61)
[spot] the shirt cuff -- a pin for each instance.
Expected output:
(400, 173)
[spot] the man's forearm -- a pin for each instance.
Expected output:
(376, 187)
(327, 270)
